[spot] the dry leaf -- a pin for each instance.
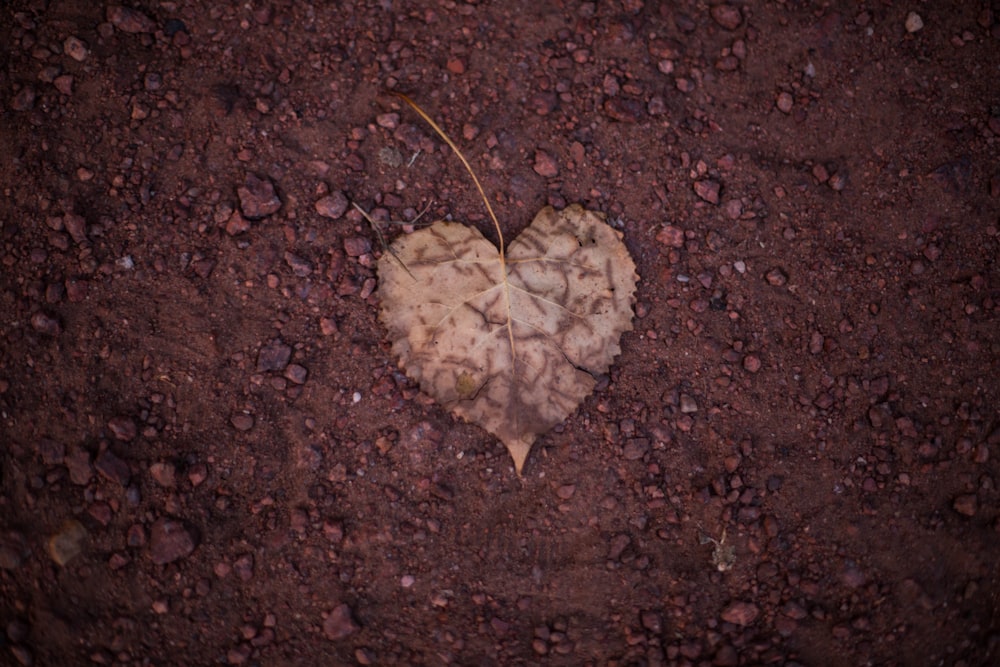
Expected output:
(510, 341)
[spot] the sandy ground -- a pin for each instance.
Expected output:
(209, 454)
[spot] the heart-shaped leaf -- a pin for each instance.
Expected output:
(511, 340)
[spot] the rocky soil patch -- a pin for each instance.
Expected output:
(209, 455)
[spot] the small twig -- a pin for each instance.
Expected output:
(405, 223)
(381, 236)
(465, 163)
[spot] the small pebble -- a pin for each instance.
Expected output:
(733, 209)
(130, 20)
(241, 422)
(727, 16)
(333, 531)
(657, 106)
(728, 63)
(118, 560)
(258, 198)
(273, 356)
(237, 224)
(243, 567)
(784, 102)
(169, 540)
(913, 22)
(776, 277)
(64, 84)
(740, 613)
(966, 504)
(328, 326)
(652, 621)
(545, 165)
(389, 121)
(112, 468)
(67, 544)
(671, 236)
(356, 246)
(122, 428)
(624, 110)
(75, 48)
(708, 190)
(333, 205)
(197, 474)
(340, 623)
(164, 474)
(617, 546)
(296, 373)
(239, 654)
(45, 325)
(78, 465)
(300, 266)
(635, 449)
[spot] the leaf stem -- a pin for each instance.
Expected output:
(465, 163)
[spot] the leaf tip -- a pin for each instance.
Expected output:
(519, 452)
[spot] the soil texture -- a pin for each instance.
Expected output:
(209, 455)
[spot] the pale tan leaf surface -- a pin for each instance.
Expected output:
(510, 343)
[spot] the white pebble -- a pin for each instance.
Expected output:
(913, 22)
(407, 580)
(357, 397)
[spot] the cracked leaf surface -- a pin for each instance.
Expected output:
(511, 343)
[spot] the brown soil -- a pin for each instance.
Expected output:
(209, 455)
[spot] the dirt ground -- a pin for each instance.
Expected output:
(210, 456)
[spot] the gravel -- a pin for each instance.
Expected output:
(130, 20)
(708, 190)
(170, 540)
(727, 16)
(273, 356)
(740, 613)
(332, 206)
(112, 468)
(207, 444)
(545, 164)
(339, 623)
(258, 198)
